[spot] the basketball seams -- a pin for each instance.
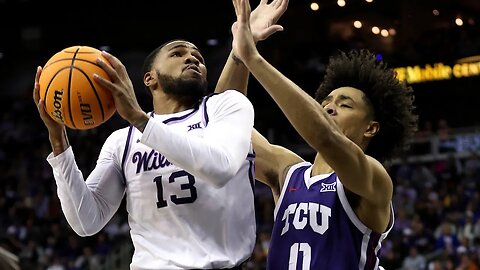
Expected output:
(94, 91)
(69, 89)
(69, 59)
(61, 75)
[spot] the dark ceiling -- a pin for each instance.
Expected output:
(31, 31)
(44, 26)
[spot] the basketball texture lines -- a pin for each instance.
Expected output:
(71, 95)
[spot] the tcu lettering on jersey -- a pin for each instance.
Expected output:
(306, 213)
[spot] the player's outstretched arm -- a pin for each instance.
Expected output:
(263, 22)
(345, 157)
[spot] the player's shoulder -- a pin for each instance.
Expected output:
(118, 136)
(231, 97)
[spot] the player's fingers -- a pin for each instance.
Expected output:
(104, 82)
(36, 85)
(270, 31)
(114, 61)
(275, 3)
(246, 10)
(42, 112)
(112, 74)
(282, 5)
(117, 65)
(241, 11)
(264, 2)
(235, 6)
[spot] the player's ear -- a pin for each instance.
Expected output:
(372, 129)
(149, 79)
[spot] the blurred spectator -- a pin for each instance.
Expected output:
(447, 239)
(414, 261)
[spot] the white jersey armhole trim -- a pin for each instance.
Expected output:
(353, 217)
(348, 209)
(285, 184)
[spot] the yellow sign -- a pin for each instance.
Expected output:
(465, 67)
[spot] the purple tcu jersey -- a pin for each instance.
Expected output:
(315, 227)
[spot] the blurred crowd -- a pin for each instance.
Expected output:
(437, 214)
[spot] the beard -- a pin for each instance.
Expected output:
(188, 90)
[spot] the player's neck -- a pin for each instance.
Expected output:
(167, 104)
(320, 166)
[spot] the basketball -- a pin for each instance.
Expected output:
(71, 95)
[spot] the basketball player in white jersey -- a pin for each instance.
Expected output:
(186, 168)
(335, 212)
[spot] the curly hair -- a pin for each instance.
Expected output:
(390, 99)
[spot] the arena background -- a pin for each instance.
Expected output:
(436, 185)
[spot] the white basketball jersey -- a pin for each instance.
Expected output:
(177, 219)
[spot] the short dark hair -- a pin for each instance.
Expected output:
(148, 62)
(391, 100)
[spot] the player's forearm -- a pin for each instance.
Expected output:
(234, 76)
(304, 113)
(212, 160)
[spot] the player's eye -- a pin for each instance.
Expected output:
(345, 106)
(200, 58)
(175, 54)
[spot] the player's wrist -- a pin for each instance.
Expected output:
(59, 142)
(237, 60)
(140, 121)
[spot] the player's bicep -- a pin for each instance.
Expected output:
(271, 162)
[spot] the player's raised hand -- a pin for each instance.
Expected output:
(243, 44)
(57, 133)
(52, 125)
(264, 18)
(121, 88)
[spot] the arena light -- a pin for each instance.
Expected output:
(341, 3)
(384, 33)
(314, 6)
(357, 24)
(212, 42)
(458, 21)
(375, 30)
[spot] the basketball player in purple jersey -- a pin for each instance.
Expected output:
(334, 213)
(185, 168)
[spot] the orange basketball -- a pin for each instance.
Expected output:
(71, 95)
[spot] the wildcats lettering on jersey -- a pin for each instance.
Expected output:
(149, 161)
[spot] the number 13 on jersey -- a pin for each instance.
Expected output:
(188, 183)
